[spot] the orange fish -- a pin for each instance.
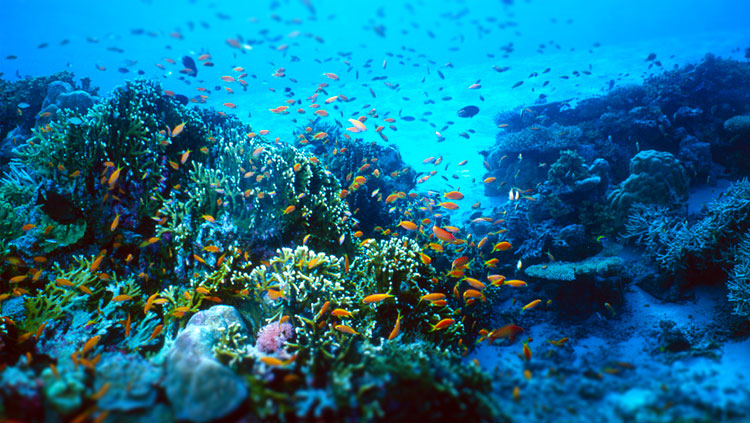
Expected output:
(272, 361)
(509, 331)
(346, 329)
(443, 235)
(114, 176)
(531, 305)
(376, 298)
(559, 342)
(475, 283)
(280, 109)
(122, 297)
(409, 226)
(339, 312)
(526, 351)
(228, 79)
(453, 195)
(91, 343)
(396, 328)
(115, 222)
(97, 262)
(442, 324)
(331, 76)
(432, 297)
(63, 282)
(230, 105)
(178, 129)
(449, 205)
(502, 246)
(156, 332)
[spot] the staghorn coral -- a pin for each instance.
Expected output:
(738, 284)
(710, 246)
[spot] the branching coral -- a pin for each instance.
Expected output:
(76, 287)
(739, 279)
(712, 244)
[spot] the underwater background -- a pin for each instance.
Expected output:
(328, 211)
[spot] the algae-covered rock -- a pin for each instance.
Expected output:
(200, 388)
(132, 381)
(78, 100)
(65, 392)
(567, 271)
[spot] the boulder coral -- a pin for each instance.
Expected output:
(656, 177)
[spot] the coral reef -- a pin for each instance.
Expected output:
(664, 112)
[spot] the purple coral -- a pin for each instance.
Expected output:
(272, 336)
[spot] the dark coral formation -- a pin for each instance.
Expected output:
(138, 232)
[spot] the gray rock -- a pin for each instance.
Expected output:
(200, 388)
(79, 100)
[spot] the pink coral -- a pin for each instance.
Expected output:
(271, 338)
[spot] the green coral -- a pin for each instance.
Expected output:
(54, 300)
(304, 281)
(394, 266)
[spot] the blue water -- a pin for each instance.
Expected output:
(415, 62)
